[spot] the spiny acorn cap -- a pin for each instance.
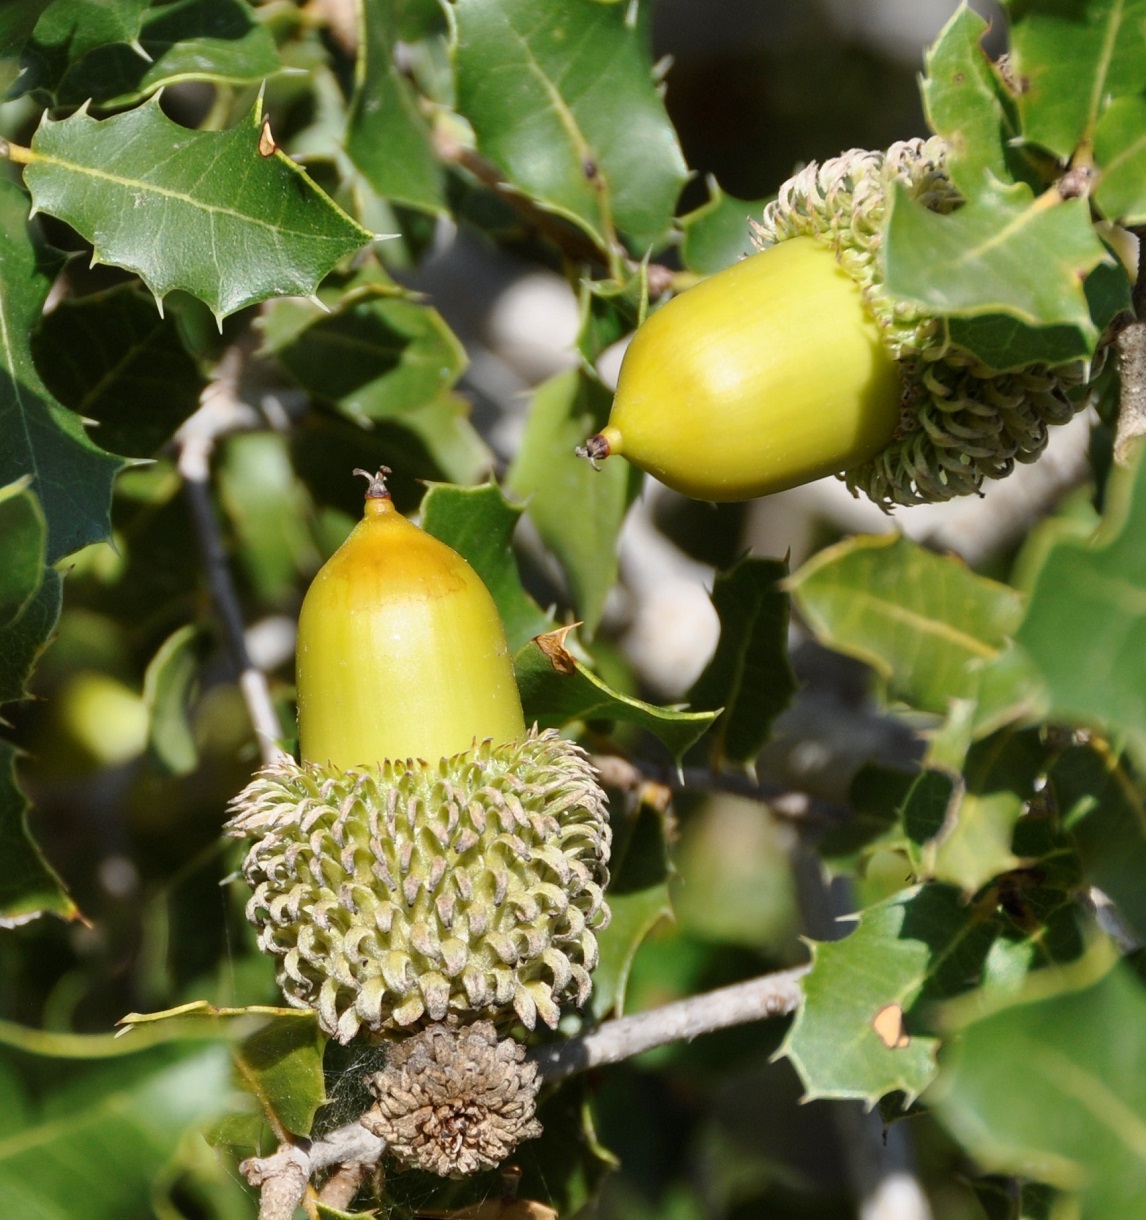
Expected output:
(454, 1101)
(962, 421)
(397, 894)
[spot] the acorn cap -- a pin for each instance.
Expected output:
(962, 422)
(398, 894)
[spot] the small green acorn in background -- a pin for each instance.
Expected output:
(430, 867)
(795, 363)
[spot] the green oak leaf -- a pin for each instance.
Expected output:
(717, 234)
(1120, 154)
(281, 1064)
(113, 359)
(749, 676)
(387, 137)
(932, 628)
(96, 1144)
(1072, 59)
(857, 1033)
(169, 684)
(23, 545)
(17, 21)
(578, 511)
(478, 522)
(26, 636)
(72, 475)
(204, 211)
(1085, 626)
(610, 309)
(562, 99)
(967, 104)
(1002, 252)
(67, 30)
(189, 40)
(29, 886)
(556, 689)
(1077, 1056)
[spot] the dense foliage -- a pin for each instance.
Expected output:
(280, 178)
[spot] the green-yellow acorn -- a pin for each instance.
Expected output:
(707, 406)
(797, 363)
(429, 859)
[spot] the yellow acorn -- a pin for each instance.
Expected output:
(401, 652)
(428, 859)
(764, 376)
(796, 363)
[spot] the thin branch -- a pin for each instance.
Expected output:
(283, 1176)
(1130, 343)
(771, 995)
(220, 413)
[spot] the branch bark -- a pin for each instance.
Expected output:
(1130, 344)
(284, 1175)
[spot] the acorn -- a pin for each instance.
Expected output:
(428, 858)
(796, 363)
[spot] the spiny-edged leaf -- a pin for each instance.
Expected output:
(281, 1065)
(70, 29)
(557, 689)
(218, 41)
(1103, 806)
(72, 475)
(973, 841)
(378, 356)
(638, 900)
(270, 513)
(98, 1142)
(1083, 626)
(204, 211)
(1120, 153)
(610, 309)
(716, 234)
(561, 97)
(112, 358)
(749, 676)
(856, 1034)
(578, 511)
(1072, 59)
(1054, 1089)
(29, 886)
(1007, 343)
(25, 637)
(876, 797)
(1002, 252)
(478, 522)
(928, 624)
(168, 687)
(966, 103)
(387, 137)
(23, 545)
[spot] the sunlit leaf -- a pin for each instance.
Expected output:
(856, 1034)
(562, 100)
(204, 211)
(556, 689)
(1120, 151)
(1072, 60)
(478, 522)
(168, 686)
(717, 233)
(387, 136)
(1002, 252)
(68, 30)
(1084, 625)
(578, 511)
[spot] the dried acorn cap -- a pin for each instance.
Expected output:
(454, 1101)
(961, 422)
(398, 894)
